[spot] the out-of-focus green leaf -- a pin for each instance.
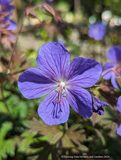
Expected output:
(82, 147)
(7, 126)
(7, 146)
(46, 137)
(2, 108)
(63, 6)
(99, 134)
(114, 127)
(76, 136)
(55, 138)
(74, 127)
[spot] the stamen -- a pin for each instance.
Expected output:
(117, 71)
(59, 100)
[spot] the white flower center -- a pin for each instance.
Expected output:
(62, 84)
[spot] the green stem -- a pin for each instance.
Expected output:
(3, 98)
(104, 75)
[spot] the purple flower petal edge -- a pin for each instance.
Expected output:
(119, 104)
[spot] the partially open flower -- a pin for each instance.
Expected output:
(7, 26)
(98, 105)
(112, 70)
(6, 9)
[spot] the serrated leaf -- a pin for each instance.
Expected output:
(7, 147)
(7, 126)
(66, 142)
(27, 140)
(76, 136)
(43, 129)
(55, 138)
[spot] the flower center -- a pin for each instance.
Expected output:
(62, 84)
(61, 92)
(117, 71)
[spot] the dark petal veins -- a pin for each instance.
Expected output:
(53, 113)
(84, 72)
(53, 60)
(33, 84)
(80, 100)
(57, 110)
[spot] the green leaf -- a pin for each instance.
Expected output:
(76, 136)
(45, 138)
(74, 127)
(99, 134)
(7, 147)
(82, 148)
(7, 126)
(114, 127)
(55, 138)
(66, 142)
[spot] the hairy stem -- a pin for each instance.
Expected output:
(104, 75)
(21, 25)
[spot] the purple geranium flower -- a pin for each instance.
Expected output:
(97, 105)
(113, 69)
(119, 109)
(6, 6)
(7, 10)
(12, 25)
(63, 83)
(97, 31)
